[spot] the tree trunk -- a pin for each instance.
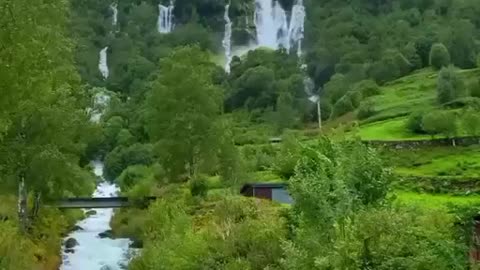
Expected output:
(22, 205)
(36, 205)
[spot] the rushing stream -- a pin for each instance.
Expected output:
(93, 252)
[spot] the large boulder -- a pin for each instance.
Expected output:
(71, 243)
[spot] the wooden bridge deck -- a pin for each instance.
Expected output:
(110, 202)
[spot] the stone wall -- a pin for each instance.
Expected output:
(412, 144)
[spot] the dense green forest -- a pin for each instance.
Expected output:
(179, 127)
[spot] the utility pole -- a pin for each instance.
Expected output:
(319, 113)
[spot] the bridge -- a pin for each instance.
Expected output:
(108, 202)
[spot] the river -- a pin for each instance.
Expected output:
(93, 252)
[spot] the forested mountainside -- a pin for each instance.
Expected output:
(180, 99)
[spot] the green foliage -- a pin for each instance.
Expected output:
(470, 122)
(198, 186)
(236, 232)
(182, 109)
(122, 157)
(367, 88)
(441, 122)
(263, 79)
(439, 56)
(287, 157)
(343, 106)
(366, 110)
(336, 88)
(415, 122)
(16, 252)
(449, 85)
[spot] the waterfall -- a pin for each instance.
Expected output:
(297, 24)
(114, 8)
(227, 39)
(102, 65)
(273, 28)
(165, 18)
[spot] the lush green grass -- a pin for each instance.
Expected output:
(407, 94)
(392, 129)
(400, 98)
(435, 201)
(437, 161)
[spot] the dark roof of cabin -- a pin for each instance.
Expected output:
(262, 185)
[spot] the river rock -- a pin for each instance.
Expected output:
(136, 243)
(77, 228)
(71, 243)
(69, 250)
(90, 213)
(106, 234)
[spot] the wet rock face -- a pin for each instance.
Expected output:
(71, 243)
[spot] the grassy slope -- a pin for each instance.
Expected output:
(436, 201)
(400, 98)
(437, 161)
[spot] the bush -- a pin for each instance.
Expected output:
(199, 186)
(287, 158)
(449, 85)
(439, 56)
(355, 98)
(367, 88)
(414, 122)
(441, 122)
(133, 175)
(343, 106)
(122, 157)
(366, 110)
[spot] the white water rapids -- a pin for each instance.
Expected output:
(92, 252)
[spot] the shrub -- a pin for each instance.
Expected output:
(439, 56)
(199, 186)
(343, 106)
(122, 157)
(366, 110)
(132, 175)
(449, 85)
(287, 158)
(355, 98)
(441, 122)
(367, 88)
(414, 122)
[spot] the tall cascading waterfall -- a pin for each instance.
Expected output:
(271, 23)
(114, 8)
(274, 30)
(165, 18)
(297, 26)
(227, 39)
(102, 64)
